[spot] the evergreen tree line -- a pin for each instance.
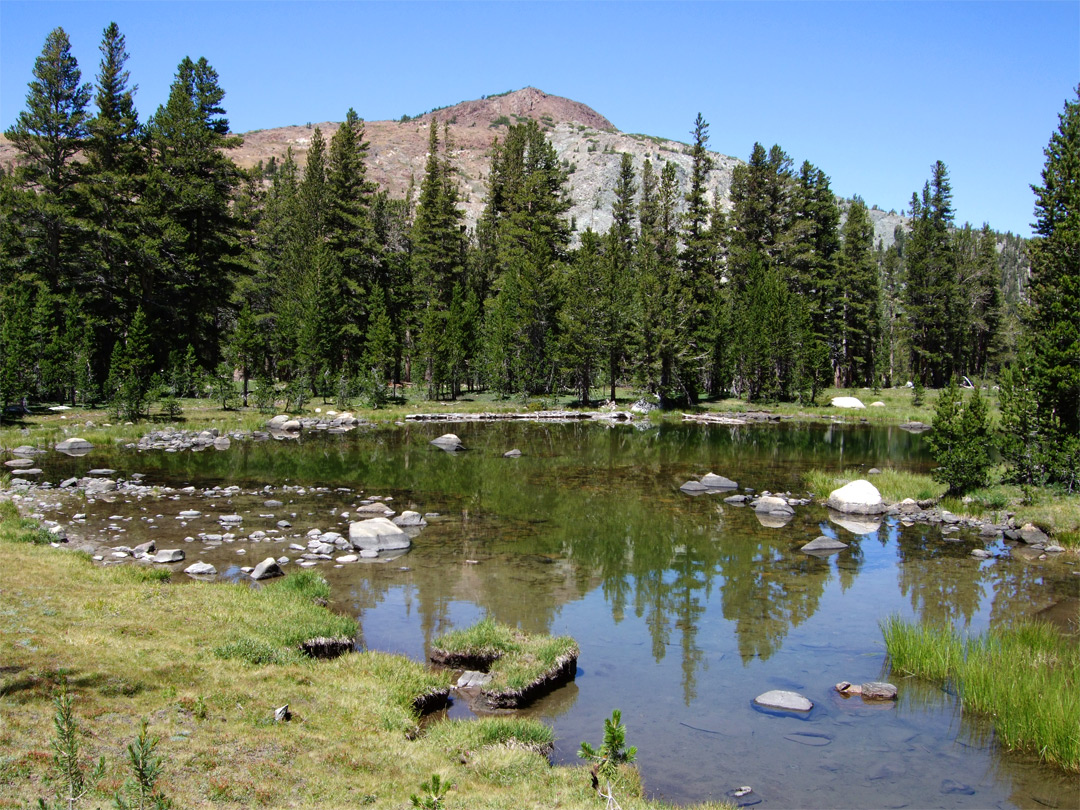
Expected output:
(137, 257)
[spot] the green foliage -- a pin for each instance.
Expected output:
(612, 752)
(305, 584)
(69, 772)
(434, 794)
(141, 791)
(1023, 677)
(960, 440)
(918, 392)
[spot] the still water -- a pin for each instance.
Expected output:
(685, 608)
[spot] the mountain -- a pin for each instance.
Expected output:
(588, 144)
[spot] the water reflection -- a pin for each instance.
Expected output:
(685, 608)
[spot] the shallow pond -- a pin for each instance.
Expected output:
(685, 608)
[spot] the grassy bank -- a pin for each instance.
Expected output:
(207, 664)
(45, 426)
(1026, 679)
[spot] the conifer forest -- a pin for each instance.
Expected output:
(139, 263)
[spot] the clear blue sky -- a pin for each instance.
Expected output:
(871, 92)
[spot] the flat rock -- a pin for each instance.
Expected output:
(694, 487)
(377, 534)
(347, 558)
(823, 545)
(19, 462)
(471, 679)
(980, 554)
(784, 701)
(267, 569)
(847, 402)
(878, 690)
(736, 500)
(200, 569)
(101, 471)
(773, 505)
(169, 555)
(714, 481)
(857, 498)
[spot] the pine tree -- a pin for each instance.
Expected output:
(1053, 319)
(47, 135)
(117, 263)
(581, 318)
(189, 187)
(857, 299)
(931, 291)
(960, 440)
(616, 279)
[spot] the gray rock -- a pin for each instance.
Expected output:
(771, 504)
(103, 471)
(169, 555)
(980, 554)
(784, 700)
(200, 569)
(736, 500)
(267, 569)
(857, 498)
(27, 450)
(408, 518)
(292, 426)
(448, 442)
(694, 488)
(144, 548)
(878, 690)
(347, 558)
(515, 453)
(471, 679)
(19, 462)
(278, 421)
(644, 406)
(1032, 535)
(74, 447)
(823, 545)
(377, 534)
(713, 481)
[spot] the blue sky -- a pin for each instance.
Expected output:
(872, 92)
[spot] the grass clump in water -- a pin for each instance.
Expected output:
(515, 659)
(1026, 678)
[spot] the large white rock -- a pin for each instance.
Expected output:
(377, 534)
(846, 402)
(278, 421)
(857, 498)
(449, 442)
(75, 447)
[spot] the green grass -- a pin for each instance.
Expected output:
(520, 659)
(131, 646)
(1025, 678)
(894, 485)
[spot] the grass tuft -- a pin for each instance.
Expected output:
(464, 736)
(1026, 678)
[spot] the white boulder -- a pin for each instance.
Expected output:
(847, 402)
(857, 498)
(377, 534)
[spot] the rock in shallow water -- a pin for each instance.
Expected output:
(266, 569)
(857, 498)
(784, 700)
(823, 545)
(200, 569)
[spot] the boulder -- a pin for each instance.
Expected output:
(847, 402)
(448, 442)
(1033, 535)
(980, 554)
(267, 569)
(200, 569)
(515, 453)
(878, 404)
(169, 555)
(278, 421)
(736, 500)
(145, 548)
(784, 701)
(75, 447)
(857, 498)
(714, 481)
(292, 426)
(408, 518)
(643, 406)
(377, 534)
(823, 545)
